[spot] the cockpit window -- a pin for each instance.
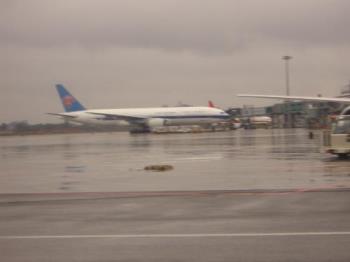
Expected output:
(342, 127)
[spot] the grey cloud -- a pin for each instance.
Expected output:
(317, 23)
(147, 53)
(199, 26)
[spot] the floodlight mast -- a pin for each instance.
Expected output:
(286, 58)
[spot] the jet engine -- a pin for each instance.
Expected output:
(346, 111)
(156, 122)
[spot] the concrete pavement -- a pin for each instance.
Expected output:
(290, 225)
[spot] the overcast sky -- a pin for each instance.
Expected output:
(145, 53)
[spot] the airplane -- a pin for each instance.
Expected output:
(301, 98)
(140, 120)
(346, 110)
(336, 141)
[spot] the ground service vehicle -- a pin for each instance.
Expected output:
(337, 140)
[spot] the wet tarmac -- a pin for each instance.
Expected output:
(110, 162)
(205, 226)
(245, 195)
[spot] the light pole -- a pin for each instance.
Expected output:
(287, 58)
(288, 115)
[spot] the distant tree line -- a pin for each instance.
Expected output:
(23, 127)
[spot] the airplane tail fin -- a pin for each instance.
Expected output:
(210, 104)
(69, 102)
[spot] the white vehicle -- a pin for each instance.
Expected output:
(259, 121)
(138, 119)
(336, 141)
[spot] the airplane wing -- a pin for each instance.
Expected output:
(128, 118)
(301, 98)
(62, 115)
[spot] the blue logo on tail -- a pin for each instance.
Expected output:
(70, 103)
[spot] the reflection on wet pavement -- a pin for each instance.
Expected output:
(242, 159)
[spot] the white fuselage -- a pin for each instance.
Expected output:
(166, 115)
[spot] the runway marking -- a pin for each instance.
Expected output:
(26, 197)
(283, 234)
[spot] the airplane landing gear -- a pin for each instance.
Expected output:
(140, 130)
